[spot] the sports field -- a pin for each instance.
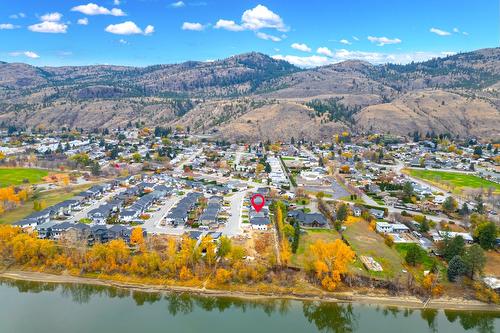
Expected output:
(16, 176)
(456, 180)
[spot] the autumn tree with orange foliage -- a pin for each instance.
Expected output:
(222, 276)
(137, 238)
(329, 261)
(431, 284)
(284, 246)
(10, 199)
(160, 257)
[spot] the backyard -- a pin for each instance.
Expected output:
(308, 237)
(366, 242)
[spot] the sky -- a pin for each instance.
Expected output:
(306, 33)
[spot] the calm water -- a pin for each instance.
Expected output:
(39, 307)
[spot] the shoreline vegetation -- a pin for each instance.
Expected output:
(443, 303)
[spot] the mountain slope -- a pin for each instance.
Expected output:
(458, 94)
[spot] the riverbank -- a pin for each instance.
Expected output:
(339, 297)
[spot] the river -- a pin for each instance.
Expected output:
(27, 307)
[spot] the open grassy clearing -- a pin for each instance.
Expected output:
(49, 198)
(367, 242)
(16, 176)
(456, 180)
(492, 267)
(308, 237)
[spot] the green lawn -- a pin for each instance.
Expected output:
(365, 241)
(16, 176)
(49, 198)
(454, 179)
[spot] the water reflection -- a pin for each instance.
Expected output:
(482, 322)
(327, 317)
(330, 317)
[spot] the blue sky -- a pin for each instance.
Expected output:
(306, 33)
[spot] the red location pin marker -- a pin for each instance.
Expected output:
(257, 201)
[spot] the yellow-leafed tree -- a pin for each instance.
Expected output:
(329, 261)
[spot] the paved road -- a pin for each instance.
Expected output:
(83, 213)
(233, 224)
(187, 160)
(309, 153)
(153, 226)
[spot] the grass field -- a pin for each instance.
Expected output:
(456, 180)
(365, 241)
(492, 263)
(16, 176)
(49, 197)
(307, 238)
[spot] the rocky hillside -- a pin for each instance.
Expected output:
(251, 96)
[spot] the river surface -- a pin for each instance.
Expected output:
(27, 307)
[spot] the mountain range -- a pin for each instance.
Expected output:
(255, 97)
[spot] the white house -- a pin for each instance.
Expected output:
(399, 228)
(439, 199)
(383, 227)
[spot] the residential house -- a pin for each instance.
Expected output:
(310, 220)
(260, 223)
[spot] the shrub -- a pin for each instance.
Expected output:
(389, 241)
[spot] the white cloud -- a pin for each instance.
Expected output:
(372, 57)
(177, 4)
(355, 38)
(51, 17)
(228, 25)
(448, 53)
(116, 2)
(49, 27)
(128, 28)
(310, 61)
(93, 9)
(149, 30)
(83, 21)
(123, 41)
(29, 54)
(457, 31)
(193, 26)
(301, 47)
(345, 41)
(265, 36)
(324, 51)
(439, 32)
(381, 41)
(8, 26)
(261, 17)
(18, 15)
